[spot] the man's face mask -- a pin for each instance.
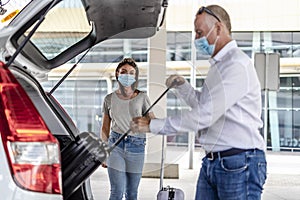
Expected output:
(126, 79)
(203, 47)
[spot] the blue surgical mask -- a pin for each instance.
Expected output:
(203, 47)
(126, 79)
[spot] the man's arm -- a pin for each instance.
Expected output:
(184, 90)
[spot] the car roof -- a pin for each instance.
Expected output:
(75, 26)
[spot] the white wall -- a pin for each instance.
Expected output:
(246, 15)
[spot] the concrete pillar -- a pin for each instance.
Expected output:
(156, 86)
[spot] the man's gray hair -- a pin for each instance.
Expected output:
(221, 14)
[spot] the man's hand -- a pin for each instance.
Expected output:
(174, 80)
(140, 124)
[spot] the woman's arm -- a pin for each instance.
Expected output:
(105, 127)
(105, 131)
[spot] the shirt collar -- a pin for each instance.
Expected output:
(218, 57)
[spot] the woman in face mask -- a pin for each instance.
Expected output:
(125, 163)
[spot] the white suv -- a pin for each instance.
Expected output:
(42, 153)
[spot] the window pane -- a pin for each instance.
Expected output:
(296, 44)
(281, 43)
(52, 43)
(245, 42)
(179, 46)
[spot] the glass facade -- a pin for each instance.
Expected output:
(287, 110)
(83, 98)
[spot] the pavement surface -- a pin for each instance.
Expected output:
(283, 176)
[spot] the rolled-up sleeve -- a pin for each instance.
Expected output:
(157, 125)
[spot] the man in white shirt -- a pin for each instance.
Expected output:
(225, 114)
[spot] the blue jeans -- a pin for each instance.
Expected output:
(125, 166)
(237, 177)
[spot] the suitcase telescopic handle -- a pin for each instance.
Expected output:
(175, 82)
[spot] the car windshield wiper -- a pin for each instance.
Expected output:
(27, 38)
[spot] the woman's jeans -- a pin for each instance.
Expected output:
(125, 166)
(237, 177)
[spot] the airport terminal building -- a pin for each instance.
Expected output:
(272, 28)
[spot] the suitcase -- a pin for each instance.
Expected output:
(167, 193)
(80, 158)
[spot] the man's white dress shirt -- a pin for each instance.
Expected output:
(227, 112)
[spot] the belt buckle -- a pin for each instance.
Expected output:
(211, 157)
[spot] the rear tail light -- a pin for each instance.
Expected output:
(32, 151)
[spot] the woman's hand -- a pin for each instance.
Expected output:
(104, 165)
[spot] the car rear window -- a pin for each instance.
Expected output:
(64, 26)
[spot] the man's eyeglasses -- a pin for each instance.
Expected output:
(204, 9)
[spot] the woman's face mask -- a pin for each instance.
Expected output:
(126, 79)
(203, 47)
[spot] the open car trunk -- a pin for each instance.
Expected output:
(81, 153)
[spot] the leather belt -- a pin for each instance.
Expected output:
(229, 152)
